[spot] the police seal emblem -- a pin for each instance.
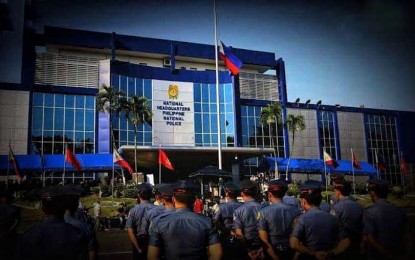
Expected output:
(173, 91)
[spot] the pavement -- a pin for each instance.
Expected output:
(114, 244)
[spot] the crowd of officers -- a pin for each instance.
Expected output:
(283, 228)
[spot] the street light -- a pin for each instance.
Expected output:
(307, 102)
(318, 104)
(297, 101)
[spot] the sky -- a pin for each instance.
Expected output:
(350, 52)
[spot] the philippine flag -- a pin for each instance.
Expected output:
(231, 61)
(120, 161)
(328, 160)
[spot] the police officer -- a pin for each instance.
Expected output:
(53, 238)
(333, 178)
(223, 220)
(350, 217)
(315, 233)
(135, 217)
(324, 206)
(386, 228)
(276, 221)
(246, 215)
(289, 199)
(9, 221)
(73, 192)
(184, 234)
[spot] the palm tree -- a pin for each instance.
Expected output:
(109, 100)
(270, 115)
(137, 111)
(294, 123)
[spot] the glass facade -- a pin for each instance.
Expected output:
(206, 121)
(382, 140)
(327, 132)
(123, 130)
(59, 118)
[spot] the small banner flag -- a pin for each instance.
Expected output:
(403, 164)
(70, 158)
(328, 160)
(164, 160)
(117, 158)
(355, 162)
(12, 160)
(380, 163)
(231, 61)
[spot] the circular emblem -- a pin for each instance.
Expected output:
(173, 91)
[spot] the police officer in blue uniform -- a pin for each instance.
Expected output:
(73, 192)
(246, 215)
(136, 234)
(350, 217)
(9, 221)
(289, 199)
(386, 229)
(315, 233)
(53, 238)
(223, 221)
(184, 234)
(276, 221)
(324, 206)
(333, 178)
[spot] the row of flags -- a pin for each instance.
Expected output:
(379, 162)
(76, 164)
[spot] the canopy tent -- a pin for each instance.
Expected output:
(211, 171)
(55, 162)
(317, 166)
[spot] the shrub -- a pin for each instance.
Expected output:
(94, 189)
(397, 191)
(293, 189)
(361, 188)
(130, 193)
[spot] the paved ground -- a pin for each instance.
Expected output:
(114, 244)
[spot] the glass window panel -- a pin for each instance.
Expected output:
(59, 100)
(198, 138)
(80, 101)
(59, 113)
(69, 119)
(123, 84)
(147, 128)
(139, 87)
(228, 94)
(198, 123)
(205, 108)
(37, 99)
(221, 94)
(147, 138)
(89, 120)
(214, 124)
(206, 139)
(89, 102)
(89, 137)
(131, 87)
(69, 136)
(222, 108)
(212, 93)
(205, 93)
(251, 111)
(79, 136)
(229, 108)
(49, 98)
(123, 136)
(147, 89)
(243, 111)
(245, 140)
(213, 108)
(37, 118)
(140, 138)
(79, 120)
(214, 139)
(198, 107)
(58, 136)
(47, 136)
(123, 121)
(131, 138)
(48, 124)
(206, 125)
(197, 92)
(69, 101)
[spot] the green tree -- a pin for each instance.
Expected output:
(294, 123)
(271, 115)
(137, 111)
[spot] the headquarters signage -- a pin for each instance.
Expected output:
(173, 113)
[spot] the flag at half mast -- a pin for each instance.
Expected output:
(117, 158)
(231, 61)
(328, 160)
(12, 160)
(70, 158)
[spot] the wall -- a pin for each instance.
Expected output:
(352, 135)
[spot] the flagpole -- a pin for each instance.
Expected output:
(217, 86)
(8, 166)
(159, 165)
(354, 188)
(64, 163)
(377, 162)
(325, 174)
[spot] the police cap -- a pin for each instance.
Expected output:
(277, 185)
(165, 190)
(248, 187)
(185, 187)
(52, 193)
(341, 184)
(337, 176)
(306, 189)
(232, 188)
(144, 189)
(378, 182)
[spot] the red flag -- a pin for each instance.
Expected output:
(380, 163)
(164, 160)
(355, 162)
(13, 161)
(120, 161)
(231, 61)
(70, 158)
(404, 166)
(329, 160)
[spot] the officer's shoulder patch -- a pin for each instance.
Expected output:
(258, 215)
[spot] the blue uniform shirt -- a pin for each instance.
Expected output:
(148, 216)
(277, 220)
(350, 217)
(246, 218)
(183, 234)
(294, 202)
(225, 213)
(387, 224)
(86, 231)
(53, 239)
(317, 230)
(136, 216)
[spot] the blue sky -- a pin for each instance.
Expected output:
(341, 52)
